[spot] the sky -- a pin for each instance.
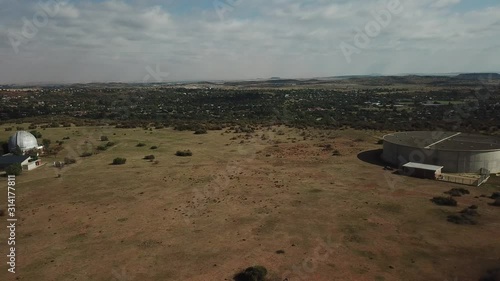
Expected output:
(56, 41)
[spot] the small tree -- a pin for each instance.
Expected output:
(119, 161)
(36, 134)
(14, 169)
(46, 143)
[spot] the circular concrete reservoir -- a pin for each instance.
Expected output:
(456, 152)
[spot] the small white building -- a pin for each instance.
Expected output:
(422, 170)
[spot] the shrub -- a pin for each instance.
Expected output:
(110, 144)
(496, 203)
(200, 132)
(8, 129)
(36, 134)
(461, 219)
(255, 273)
(119, 161)
(444, 201)
(68, 160)
(149, 157)
(457, 192)
(86, 154)
(14, 169)
(336, 153)
(495, 195)
(104, 138)
(154, 147)
(184, 153)
(46, 143)
(102, 147)
(140, 144)
(491, 275)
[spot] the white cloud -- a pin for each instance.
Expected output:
(444, 3)
(116, 40)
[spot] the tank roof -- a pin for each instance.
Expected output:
(445, 141)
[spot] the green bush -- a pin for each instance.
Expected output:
(154, 147)
(14, 169)
(36, 134)
(149, 157)
(140, 144)
(496, 203)
(46, 143)
(200, 132)
(119, 161)
(102, 147)
(86, 154)
(104, 138)
(461, 219)
(491, 275)
(68, 160)
(184, 153)
(254, 273)
(457, 192)
(444, 201)
(110, 144)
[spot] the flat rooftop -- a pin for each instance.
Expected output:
(445, 141)
(422, 166)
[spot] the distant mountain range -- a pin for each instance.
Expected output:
(463, 76)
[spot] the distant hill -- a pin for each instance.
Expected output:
(478, 76)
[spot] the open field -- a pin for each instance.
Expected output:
(236, 202)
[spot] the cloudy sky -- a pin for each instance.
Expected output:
(140, 40)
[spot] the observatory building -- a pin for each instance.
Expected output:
(455, 152)
(24, 140)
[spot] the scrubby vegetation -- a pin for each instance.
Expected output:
(457, 192)
(254, 273)
(14, 169)
(69, 161)
(491, 275)
(444, 201)
(36, 134)
(184, 153)
(119, 161)
(200, 132)
(104, 138)
(86, 154)
(149, 157)
(141, 144)
(496, 203)
(466, 216)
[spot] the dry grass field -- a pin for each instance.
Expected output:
(282, 201)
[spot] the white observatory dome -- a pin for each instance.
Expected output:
(25, 140)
